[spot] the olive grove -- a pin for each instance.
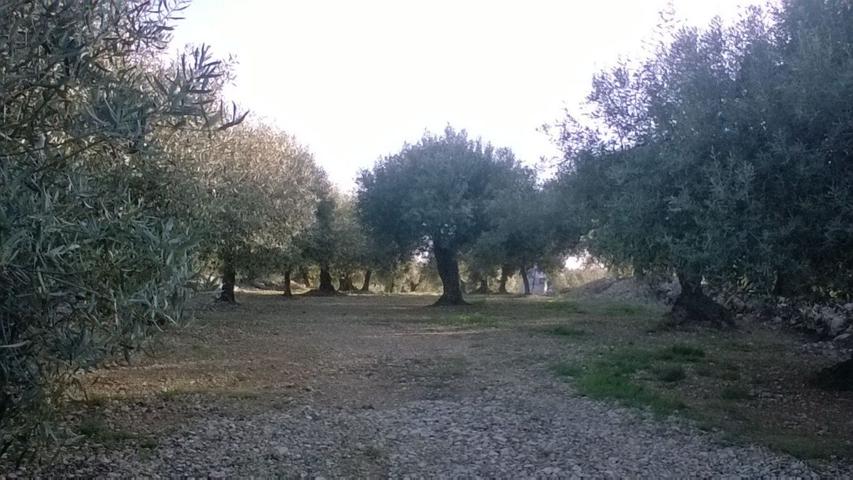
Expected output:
(121, 177)
(724, 158)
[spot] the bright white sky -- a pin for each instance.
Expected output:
(353, 80)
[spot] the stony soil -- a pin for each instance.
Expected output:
(379, 387)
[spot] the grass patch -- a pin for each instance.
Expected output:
(567, 370)
(624, 310)
(94, 427)
(611, 378)
(670, 374)
(803, 446)
(735, 393)
(448, 368)
(149, 443)
(681, 353)
(563, 307)
(566, 331)
(723, 372)
(607, 383)
(171, 394)
(475, 319)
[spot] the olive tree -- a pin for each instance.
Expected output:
(258, 200)
(90, 263)
(433, 195)
(524, 229)
(722, 158)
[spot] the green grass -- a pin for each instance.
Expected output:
(802, 446)
(606, 383)
(567, 370)
(612, 376)
(566, 331)
(735, 393)
(624, 310)
(670, 374)
(681, 353)
(94, 427)
(563, 307)
(474, 319)
(722, 372)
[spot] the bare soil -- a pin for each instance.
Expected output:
(387, 386)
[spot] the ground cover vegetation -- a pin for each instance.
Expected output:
(129, 185)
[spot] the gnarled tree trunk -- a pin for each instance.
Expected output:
(525, 280)
(345, 283)
(287, 290)
(483, 288)
(448, 271)
(326, 285)
(693, 305)
(837, 377)
(229, 279)
(306, 280)
(365, 287)
(506, 272)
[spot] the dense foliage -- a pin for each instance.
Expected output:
(120, 177)
(724, 156)
(435, 195)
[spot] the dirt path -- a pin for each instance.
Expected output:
(379, 387)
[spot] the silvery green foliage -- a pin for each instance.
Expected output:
(725, 153)
(92, 257)
(261, 192)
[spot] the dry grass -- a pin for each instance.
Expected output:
(270, 352)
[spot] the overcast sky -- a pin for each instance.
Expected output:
(353, 80)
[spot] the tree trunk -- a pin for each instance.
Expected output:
(365, 287)
(506, 272)
(287, 291)
(325, 281)
(306, 280)
(837, 377)
(483, 289)
(413, 286)
(783, 286)
(448, 271)
(389, 285)
(525, 280)
(229, 279)
(693, 305)
(345, 283)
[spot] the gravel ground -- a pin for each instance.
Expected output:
(404, 400)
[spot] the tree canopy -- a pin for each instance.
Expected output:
(722, 156)
(435, 195)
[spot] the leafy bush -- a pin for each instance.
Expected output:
(93, 256)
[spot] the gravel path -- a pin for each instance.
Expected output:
(398, 400)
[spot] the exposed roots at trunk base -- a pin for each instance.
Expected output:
(447, 301)
(483, 289)
(699, 308)
(448, 270)
(322, 293)
(838, 377)
(692, 305)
